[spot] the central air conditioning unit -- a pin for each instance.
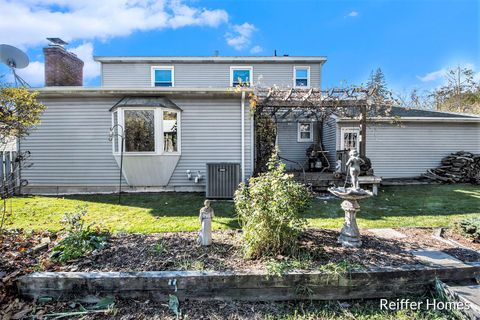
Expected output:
(222, 180)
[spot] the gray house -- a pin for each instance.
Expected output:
(403, 145)
(185, 126)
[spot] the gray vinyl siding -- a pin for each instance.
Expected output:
(289, 146)
(412, 148)
(329, 139)
(211, 132)
(70, 147)
(204, 75)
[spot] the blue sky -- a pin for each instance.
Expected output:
(412, 41)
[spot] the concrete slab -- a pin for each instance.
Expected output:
(387, 233)
(437, 258)
(468, 294)
(471, 293)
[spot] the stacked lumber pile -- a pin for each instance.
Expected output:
(459, 167)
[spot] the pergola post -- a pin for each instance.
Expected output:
(363, 131)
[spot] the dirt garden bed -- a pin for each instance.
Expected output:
(23, 252)
(28, 252)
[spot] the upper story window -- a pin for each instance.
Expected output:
(241, 76)
(301, 77)
(305, 132)
(162, 77)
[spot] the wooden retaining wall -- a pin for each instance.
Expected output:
(193, 285)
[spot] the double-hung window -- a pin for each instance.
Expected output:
(301, 77)
(241, 76)
(305, 132)
(162, 77)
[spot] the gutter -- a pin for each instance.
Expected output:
(210, 59)
(62, 92)
(415, 119)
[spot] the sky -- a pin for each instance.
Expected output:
(413, 42)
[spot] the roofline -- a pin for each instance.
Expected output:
(413, 119)
(214, 59)
(58, 92)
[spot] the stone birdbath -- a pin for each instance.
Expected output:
(350, 235)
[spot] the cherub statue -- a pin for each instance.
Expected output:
(206, 215)
(354, 163)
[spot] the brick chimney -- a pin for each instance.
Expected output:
(62, 68)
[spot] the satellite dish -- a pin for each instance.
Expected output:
(14, 58)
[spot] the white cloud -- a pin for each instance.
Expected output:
(241, 36)
(27, 23)
(432, 76)
(352, 14)
(34, 74)
(439, 76)
(256, 49)
(91, 68)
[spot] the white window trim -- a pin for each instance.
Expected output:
(155, 128)
(295, 76)
(299, 136)
(179, 132)
(152, 74)
(344, 130)
(118, 138)
(158, 132)
(249, 68)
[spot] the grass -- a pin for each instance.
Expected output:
(399, 206)
(359, 310)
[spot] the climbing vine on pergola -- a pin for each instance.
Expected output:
(271, 105)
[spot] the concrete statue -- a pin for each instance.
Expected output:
(206, 215)
(350, 235)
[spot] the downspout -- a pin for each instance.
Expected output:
(252, 143)
(243, 135)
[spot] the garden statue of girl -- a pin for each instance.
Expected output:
(354, 163)
(206, 215)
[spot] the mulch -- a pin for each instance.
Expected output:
(24, 253)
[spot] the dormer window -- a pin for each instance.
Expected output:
(301, 77)
(241, 76)
(162, 77)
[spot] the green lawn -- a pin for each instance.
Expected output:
(406, 206)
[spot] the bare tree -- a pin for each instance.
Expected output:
(461, 93)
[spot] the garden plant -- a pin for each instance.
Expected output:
(270, 211)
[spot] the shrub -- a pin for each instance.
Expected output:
(80, 239)
(270, 209)
(469, 228)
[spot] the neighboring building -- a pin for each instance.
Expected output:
(183, 113)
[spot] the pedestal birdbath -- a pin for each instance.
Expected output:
(350, 235)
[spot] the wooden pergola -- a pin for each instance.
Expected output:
(297, 104)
